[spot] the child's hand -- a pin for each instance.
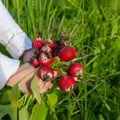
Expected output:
(28, 55)
(24, 86)
(24, 76)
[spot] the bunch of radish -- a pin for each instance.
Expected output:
(46, 51)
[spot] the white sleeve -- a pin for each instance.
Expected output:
(11, 35)
(7, 68)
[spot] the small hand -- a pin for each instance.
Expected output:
(28, 55)
(25, 84)
(24, 76)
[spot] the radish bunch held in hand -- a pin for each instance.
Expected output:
(45, 53)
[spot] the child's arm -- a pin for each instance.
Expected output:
(12, 36)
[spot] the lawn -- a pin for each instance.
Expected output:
(93, 28)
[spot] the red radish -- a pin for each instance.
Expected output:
(45, 58)
(50, 43)
(46, 48)
(67, 53)
(46, 73)
(66, 83)
(35, 63)
(37, 43)
(75, 69)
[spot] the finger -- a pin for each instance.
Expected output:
(24, 86)
(55, 73)
(28, 55)
(25, 83)
(44, 86)
(26, 71)
(51, 85)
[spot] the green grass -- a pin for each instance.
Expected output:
(93, 27)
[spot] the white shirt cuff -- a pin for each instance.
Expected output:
(7, 68)
(18, 44)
